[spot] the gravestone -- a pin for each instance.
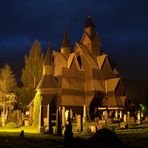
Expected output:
(79, 123)
(104, 115)
(93, 129)
(132, 120)
(66, 114)
(120, 114)
(123, 125)
(128, 117)
(116, 114)
(138, 118)
(63, 117)
(84, 114)
(102, 124)
(125, 118)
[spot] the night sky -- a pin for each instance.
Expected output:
(122, 25)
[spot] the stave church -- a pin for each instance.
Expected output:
(81, 79)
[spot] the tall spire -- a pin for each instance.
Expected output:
(65, 46)
(89, 22)
(89, 26)
(90, 38)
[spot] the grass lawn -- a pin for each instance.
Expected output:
(136, 136)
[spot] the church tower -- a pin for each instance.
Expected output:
(48, 83)
(90, 38)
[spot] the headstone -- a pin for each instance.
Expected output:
(66, 114)
(123, 125)
(63, 117)
(116, 114)
(128, 117)
(125, 118)
(142, 115)
(84, 114)
(120, 114)
(79, 123)
(71, 113)
(102, 123)
(109, 121)
(93, 129)
(104, 115)
(132, 120)
(138, 118)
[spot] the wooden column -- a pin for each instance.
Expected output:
(41, 120)
(84, 113)
(49, 123)
(58, 124)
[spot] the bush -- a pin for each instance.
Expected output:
(12, 125)
(36, 109)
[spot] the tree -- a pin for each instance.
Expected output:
(36, 109)
(32, 72)
(7, 90)
(7, 80)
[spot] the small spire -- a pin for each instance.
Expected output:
(89, 22)
(48, 56)
(65, 41)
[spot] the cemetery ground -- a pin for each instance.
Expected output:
(134, 136)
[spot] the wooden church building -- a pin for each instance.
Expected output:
(81, 79)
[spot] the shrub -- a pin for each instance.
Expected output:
(36, 108)
(12, 125)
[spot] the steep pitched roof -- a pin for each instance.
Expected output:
(87, 56)
(70, 59)
(111, 84)
(48, 58)
(100, 60)
(47, 81)
(89, 22)
(115, 71)
(60, 59)
(60, 62)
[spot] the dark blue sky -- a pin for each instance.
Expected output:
(122, 25)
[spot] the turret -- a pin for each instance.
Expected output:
(65, 47)
(48, 64)
(48, 83)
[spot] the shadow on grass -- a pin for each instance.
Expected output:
(103, 138)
